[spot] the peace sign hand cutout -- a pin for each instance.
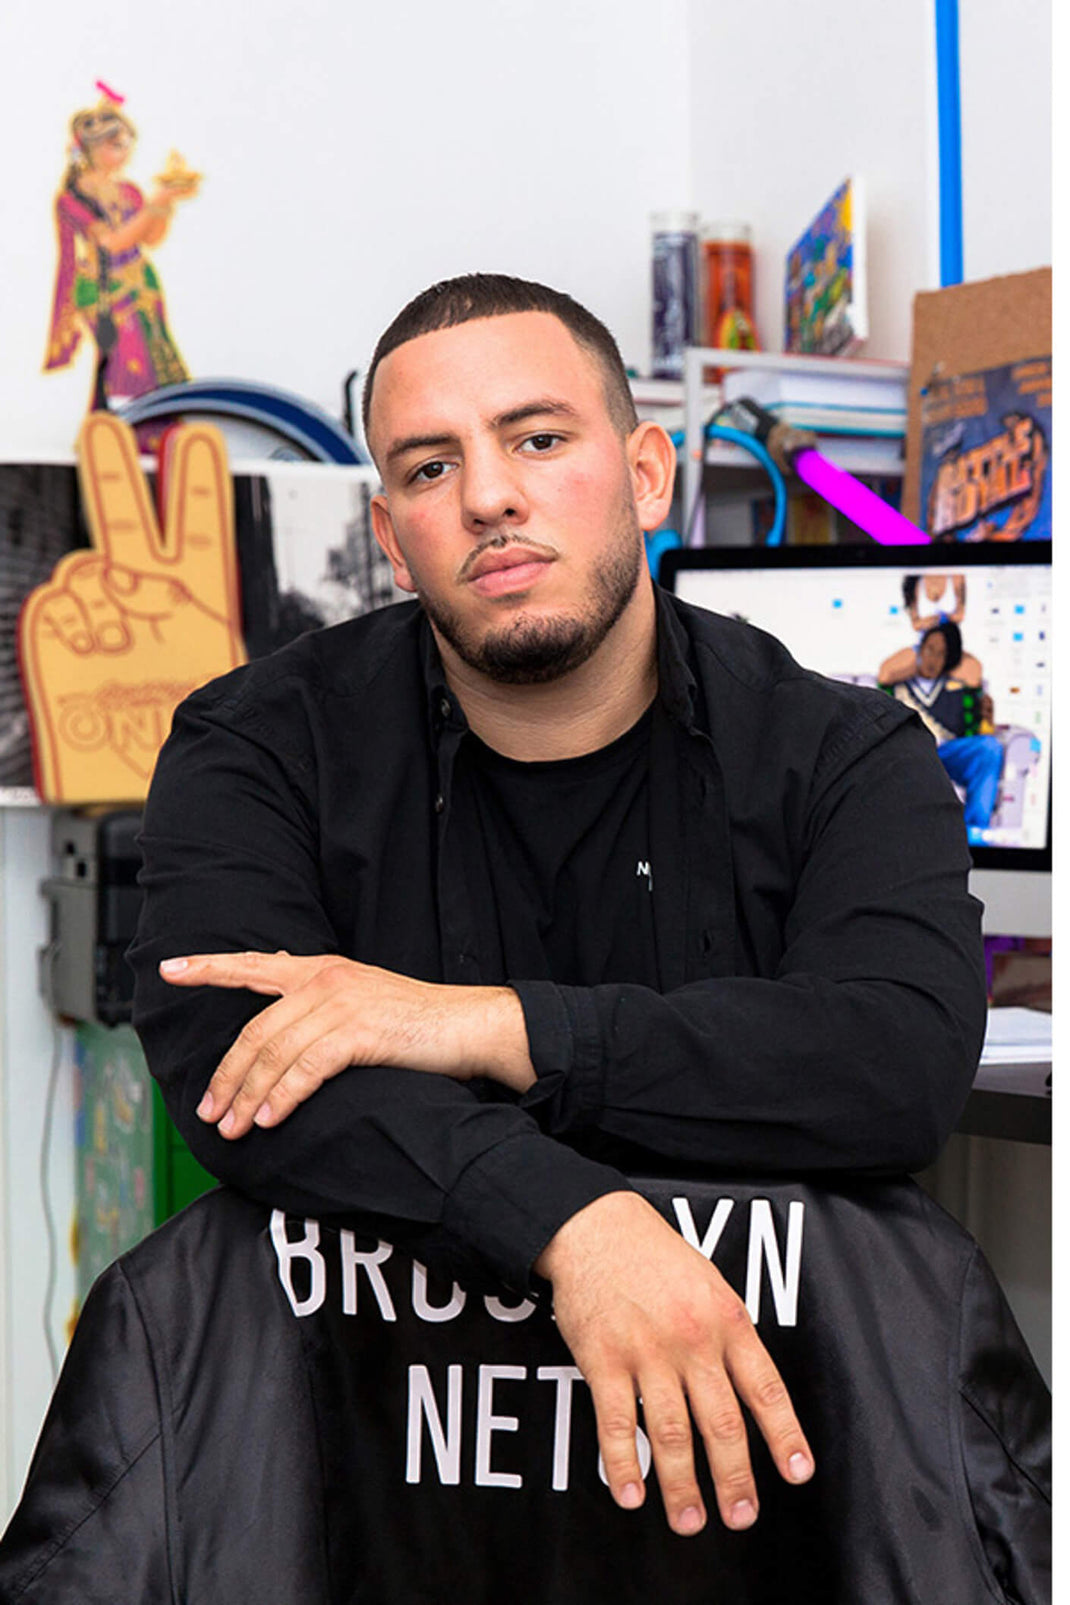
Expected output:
(122, 632)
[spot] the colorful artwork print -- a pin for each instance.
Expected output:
(986, 454)
(114, 1145)
(824, 291)
(107, 287)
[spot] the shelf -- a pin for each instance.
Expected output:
(856, 454)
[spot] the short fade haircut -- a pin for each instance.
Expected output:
(494, 295)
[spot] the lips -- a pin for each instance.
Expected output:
(509, 557)
(514, 568)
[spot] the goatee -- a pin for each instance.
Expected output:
(532, 650)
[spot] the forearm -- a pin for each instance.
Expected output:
(852, 1049)
(415, 1148)
(754, 1075)
(897, 669)
(146, 227)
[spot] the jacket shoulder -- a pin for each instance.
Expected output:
(745, 670)
(345, 659)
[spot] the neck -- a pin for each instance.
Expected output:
(581, 712)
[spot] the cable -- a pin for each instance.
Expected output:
(50, 1224)
(736, 437)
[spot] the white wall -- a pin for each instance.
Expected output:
(1005, 62)
(783, 109)
(788, 101)
(353, 153)
(35, 1067)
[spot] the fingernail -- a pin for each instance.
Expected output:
(631, 1496)
(206, 1107)
(123, 579)
(264, 1115)
(800, 1467)
(742, 1514)
(173, 966)
(113, 636)
(691, 1520)
(82, 642)
(228, 1122)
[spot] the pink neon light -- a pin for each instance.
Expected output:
(856, 502)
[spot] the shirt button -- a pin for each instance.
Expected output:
(444, 707)
(440, 803)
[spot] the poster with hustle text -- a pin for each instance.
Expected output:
(986, 454)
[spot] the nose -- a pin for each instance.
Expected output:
(492, 491)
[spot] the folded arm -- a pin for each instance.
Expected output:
(856, 1055)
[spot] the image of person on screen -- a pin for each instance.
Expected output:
(957, 712)
(931, 599)
(463, 912)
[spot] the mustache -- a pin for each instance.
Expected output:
(498, 543)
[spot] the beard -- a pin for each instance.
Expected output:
(532, 650)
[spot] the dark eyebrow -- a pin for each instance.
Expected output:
(418, 443)
(544, 407)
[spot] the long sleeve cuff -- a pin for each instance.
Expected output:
(510, 1201)
(565, 1040)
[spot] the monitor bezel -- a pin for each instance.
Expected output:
(947, 555)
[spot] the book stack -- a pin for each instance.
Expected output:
(831, 403)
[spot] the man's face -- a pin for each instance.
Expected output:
(510, 505)
(932, 655)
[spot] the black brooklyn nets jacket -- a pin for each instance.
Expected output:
(266, 1411)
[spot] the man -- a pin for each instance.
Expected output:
(552, 878)
(953, 709)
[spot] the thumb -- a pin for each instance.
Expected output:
(144, 595)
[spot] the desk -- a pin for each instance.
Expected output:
(1021, 1114)
(1011, 1095)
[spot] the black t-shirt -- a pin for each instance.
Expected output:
(551, 842)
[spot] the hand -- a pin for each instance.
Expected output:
(120, 634)
(647, 1315)
(333, 1013)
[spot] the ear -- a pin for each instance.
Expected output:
(383, 529)
(652, 461)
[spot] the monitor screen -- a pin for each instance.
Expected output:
(961, 634)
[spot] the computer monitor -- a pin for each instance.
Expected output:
(892, 617)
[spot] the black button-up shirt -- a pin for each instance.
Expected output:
(822, 1000)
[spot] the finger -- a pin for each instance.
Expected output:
(302, 1052)
(325, 1057)
(57, 609)
(86, 582)
(198, 499)
(719, 1418)
(668, 1426)
(270, 974)
(615, 1412)
(115, 495)
(145, 596)
(761, 1387)
(259, 1056)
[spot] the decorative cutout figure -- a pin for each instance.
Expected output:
(106, 285)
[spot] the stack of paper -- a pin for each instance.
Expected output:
(1017, 1036)
(1016, 1056)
